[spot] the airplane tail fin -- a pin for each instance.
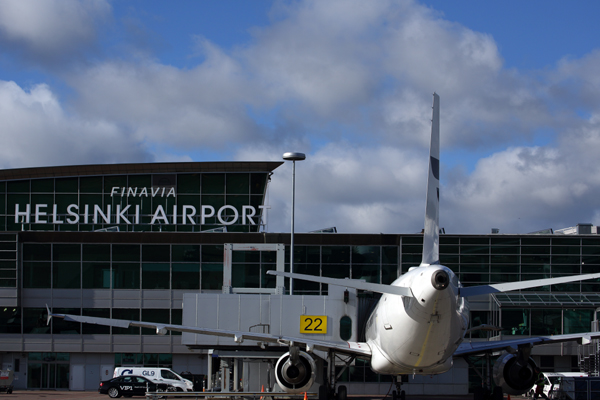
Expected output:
(431, 234)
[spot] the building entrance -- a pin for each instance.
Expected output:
(48, 371)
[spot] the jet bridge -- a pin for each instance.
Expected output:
(333, 317)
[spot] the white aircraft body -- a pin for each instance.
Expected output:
(417, 327)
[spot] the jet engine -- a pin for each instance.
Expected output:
(514, 373)
(295, 371)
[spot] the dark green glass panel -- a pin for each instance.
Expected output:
(546, 322)
(62, 327)
(366, 254)
(126, 252)
(368, 272)
(110, 182)
(268, 281)
(212, 253)
(66, 275)
(66, 252)
(63, 201)
(156, 276)
(505, 259)
(446, 259)
(186, 276)
(95, 275)
(34, 321)
(188, 183)
(480, 268)
(336, 270)
(412, 240)
(446, 249)
(535, 259)
(185, 253)
(506, 250)
(563, 241)
(213, 183)
(20, 200)
(413, 259)
(246, 256)
(216, 201)
(474, 250)
(238, 183)
(535, 250)
(257, 183)
(535, 241)
(565, 259)
(535, 268)
(42, 185)
(90, 184)
(305, 287)
(566, 250)
(10, 319)
(389, 273)
(515, 321)
(591, 250)
(577, 321)
(96, 252)
(212, 276)
(472, 259)
(335, 254)
(412, 249)
(245, 275)
(159, 315)
(67, 185)
(176, 319)
(474, 241)
(156, 253)
(389, 254)
(131, 314)
(37, 252)
(505, 241)
(126, 275)
(506, 268)
(18, 187)
(36, 274)
(139, 181)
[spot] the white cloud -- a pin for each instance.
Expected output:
(36, 131)
(50, 31)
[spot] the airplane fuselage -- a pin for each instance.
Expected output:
(419, 334)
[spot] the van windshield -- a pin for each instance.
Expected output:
(166, 374)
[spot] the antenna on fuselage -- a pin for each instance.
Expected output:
(431, 234)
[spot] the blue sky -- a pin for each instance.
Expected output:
(348, 83)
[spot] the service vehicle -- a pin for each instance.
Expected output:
(162, 375)
(131, 385)
(6, 381)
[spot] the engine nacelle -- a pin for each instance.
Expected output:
(514, 379)
(295, 377)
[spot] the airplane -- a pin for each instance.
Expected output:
(417, 327)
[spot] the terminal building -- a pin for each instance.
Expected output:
(132, 241)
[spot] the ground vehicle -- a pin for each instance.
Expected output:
(131, 385)
(162, 375)
(6, 381)
(560, 385)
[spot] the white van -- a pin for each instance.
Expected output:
(163, 375)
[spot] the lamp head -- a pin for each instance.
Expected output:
(291, 156)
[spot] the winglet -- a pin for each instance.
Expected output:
(49, 317)
(431, 234)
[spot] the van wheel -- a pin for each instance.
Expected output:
(173, 389)
(114, 393)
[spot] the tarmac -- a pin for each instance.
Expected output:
(89, 395)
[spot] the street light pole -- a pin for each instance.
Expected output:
(290, 156)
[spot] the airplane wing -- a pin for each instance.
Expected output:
(507, 287)
(359, 349)
(473, 348)
(351, 283)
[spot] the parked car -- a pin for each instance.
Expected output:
(131, 385)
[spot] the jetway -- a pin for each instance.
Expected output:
(247, 364)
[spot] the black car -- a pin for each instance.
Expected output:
(131, 385)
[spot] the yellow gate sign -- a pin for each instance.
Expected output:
(313, 324)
